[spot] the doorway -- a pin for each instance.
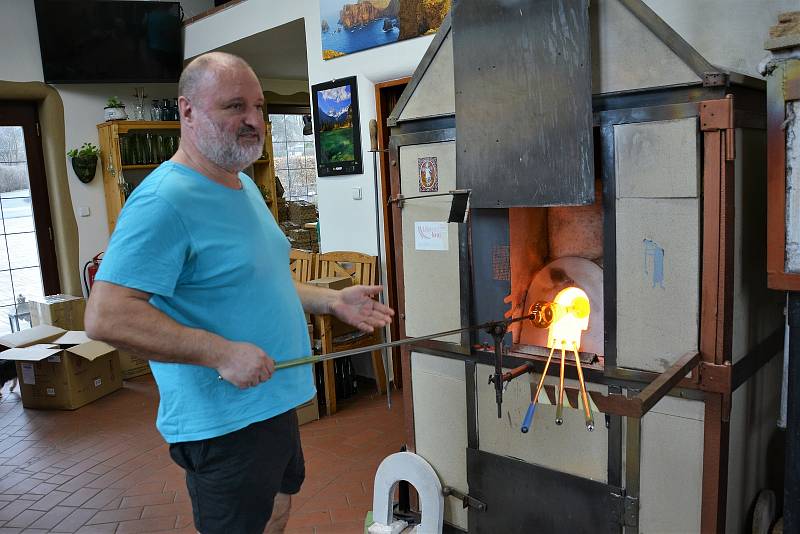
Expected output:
(387, 94)
(27, 253)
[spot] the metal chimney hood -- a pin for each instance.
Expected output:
(523, 100)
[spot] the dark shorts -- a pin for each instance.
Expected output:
(232, 479)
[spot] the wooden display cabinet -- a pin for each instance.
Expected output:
(119, 179)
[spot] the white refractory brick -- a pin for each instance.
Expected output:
(657, 159)
(440, 416)
(793, 187)
(671, 469)
(658, 281)
(431, 277)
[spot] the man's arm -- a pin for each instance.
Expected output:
(315, 299)
(124, 318)
(353, 305)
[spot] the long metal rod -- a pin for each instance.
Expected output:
(560, 407)
(791, 492)
(528, 421)
(397, 343)
(403, 198)
(379, 271)
(587, 408)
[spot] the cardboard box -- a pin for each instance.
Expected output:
(301, 211)
(61, 370)
(309, 411)
(132, 365)
(63, 311)
(332, 282)
(336, 282)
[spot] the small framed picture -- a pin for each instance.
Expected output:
(337, 136)
(428, 174)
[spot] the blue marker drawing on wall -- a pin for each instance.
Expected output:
(652, 250)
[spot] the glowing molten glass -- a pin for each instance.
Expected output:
(571, 317)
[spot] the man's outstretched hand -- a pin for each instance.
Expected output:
(355, 306)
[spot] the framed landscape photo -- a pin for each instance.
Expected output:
(337, 137)
(348, 26)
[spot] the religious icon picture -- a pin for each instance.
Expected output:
(428, 175)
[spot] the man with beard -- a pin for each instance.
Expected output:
(196, 279)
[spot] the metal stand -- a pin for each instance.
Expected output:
(498, 332)
(791, 492)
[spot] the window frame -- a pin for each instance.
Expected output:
(290, 109)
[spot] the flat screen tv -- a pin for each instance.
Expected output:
(96, 41)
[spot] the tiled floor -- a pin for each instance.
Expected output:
(104, 468)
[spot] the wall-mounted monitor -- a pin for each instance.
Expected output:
(96, 41)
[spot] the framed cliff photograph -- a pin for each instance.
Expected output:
(337, 137)
(349, 26)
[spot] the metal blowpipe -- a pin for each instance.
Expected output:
(285, 364)
(334, 355)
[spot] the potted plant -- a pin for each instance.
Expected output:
(114, 110)
(84, 161)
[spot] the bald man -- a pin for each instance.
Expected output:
(196, 279)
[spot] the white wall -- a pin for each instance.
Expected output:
(345, 224)
(20, 60)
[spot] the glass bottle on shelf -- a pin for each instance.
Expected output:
(155, 111)
(148, 148)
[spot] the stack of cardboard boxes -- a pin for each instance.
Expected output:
(298, 222)
(66, 311)
(301, 212)
(58, 366)
(61, 369)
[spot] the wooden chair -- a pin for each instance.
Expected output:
(303, 265)
(363, 270)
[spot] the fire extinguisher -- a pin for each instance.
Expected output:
(90, 271)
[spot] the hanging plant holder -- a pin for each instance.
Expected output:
(85, 167)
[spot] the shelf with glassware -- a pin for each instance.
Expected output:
(264, 174)
(129, 150)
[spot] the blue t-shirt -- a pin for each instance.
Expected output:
(213, 258)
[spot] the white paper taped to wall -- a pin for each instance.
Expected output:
(430, 236)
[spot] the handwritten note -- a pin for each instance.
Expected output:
(430, 236)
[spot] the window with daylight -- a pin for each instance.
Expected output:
(295, 161)
(20, 275)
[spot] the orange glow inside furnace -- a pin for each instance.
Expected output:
(571, 319)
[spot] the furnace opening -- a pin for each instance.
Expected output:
(551, 250)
